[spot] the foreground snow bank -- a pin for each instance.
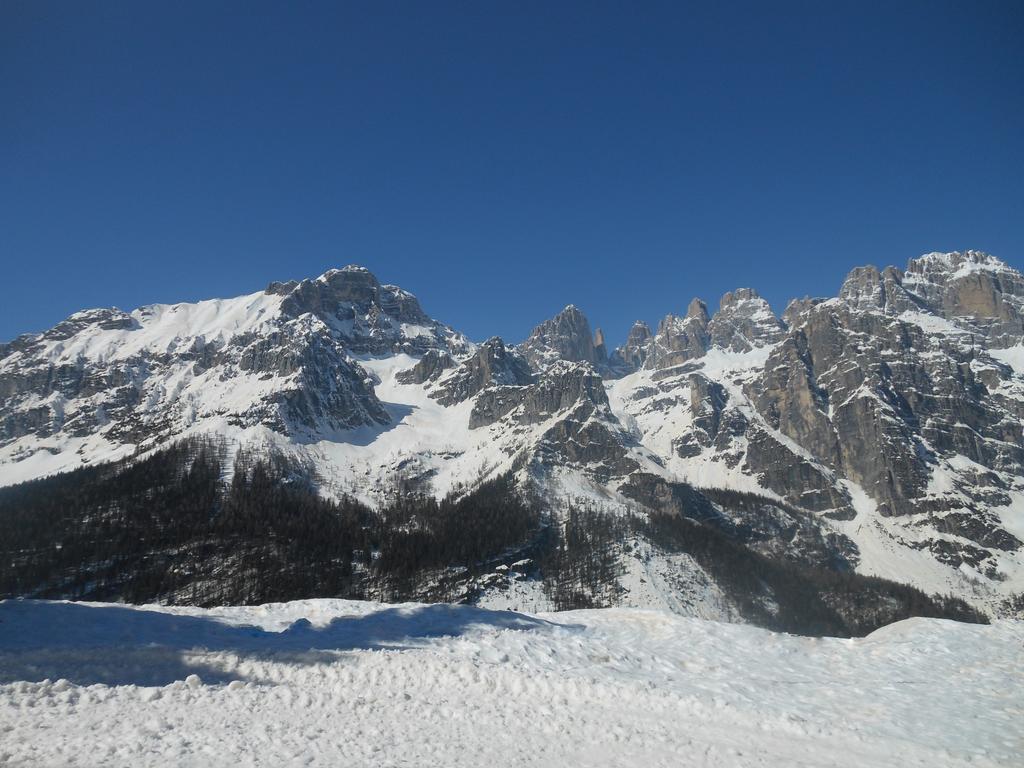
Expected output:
(334, 682)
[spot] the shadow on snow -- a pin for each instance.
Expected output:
(115, 645)
(361, 436)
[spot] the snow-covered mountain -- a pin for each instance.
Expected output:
(882, 426)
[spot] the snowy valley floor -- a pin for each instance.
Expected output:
(339, 683)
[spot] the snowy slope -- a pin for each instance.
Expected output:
(658, 407)
(328, 683)
(893, 414)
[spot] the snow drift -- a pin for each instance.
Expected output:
(333, 682)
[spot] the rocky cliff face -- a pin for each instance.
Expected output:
(744, 322)
(632, 355)
(680, 338)
(893, 410)
(492, 365)
(979, 290)
(902, 391)
(113, 382)
(881, 428)
(566, 336)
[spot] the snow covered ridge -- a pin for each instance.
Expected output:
(331, 682)
(891, 413)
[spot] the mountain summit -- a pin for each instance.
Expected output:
(880, 429)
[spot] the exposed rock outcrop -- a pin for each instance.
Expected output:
(430, 367)
(972, 286)
(566, 337)
(744, 321)
(632, 355)
(582, 433)
(493, 364)
(370, 317)
(283, 359)
(680, 338)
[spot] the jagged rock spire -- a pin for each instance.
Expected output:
(566, 336)
(680, 338)
(633, 353)
(743, 322)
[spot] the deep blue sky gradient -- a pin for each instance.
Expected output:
(503, 159)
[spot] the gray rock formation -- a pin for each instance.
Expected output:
(492, 365)
(680, 338)
(708, 402)
(430, 367)
(284, 360)
(743, 322)
(879, 397)
(890, 384)
(566, 337)
(974, 287)
(582, 433)
(371, 318)
(796, 308)
(600, 349)
(903, 388)
(632, 355)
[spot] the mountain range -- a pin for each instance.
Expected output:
(878, 431)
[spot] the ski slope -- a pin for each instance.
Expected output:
(333, 682)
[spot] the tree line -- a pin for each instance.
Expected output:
(171, 528)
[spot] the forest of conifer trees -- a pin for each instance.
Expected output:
(170, 528)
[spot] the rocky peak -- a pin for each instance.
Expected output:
(352, 283)
(372, 318)
(566, 336)
(965, 287)
(402, 305)
(698, 311)
(633, 353)
(944, 266)
(639, 334)
(739, 296)
(873, 290)
(793, 314)
(105, 318)
(347, 292)
(744, 321)
(680, 338)
(972, 286)
(600, 349)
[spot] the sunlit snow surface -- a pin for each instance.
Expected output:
(339, 683)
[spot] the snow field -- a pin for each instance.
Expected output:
(333, 682)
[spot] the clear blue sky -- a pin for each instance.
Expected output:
(503, 159)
